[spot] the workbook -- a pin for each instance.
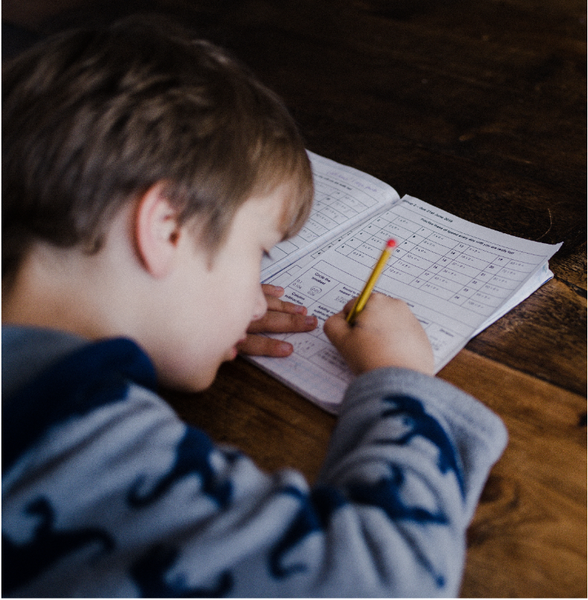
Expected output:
(456, 276)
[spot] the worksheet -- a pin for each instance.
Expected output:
(343, 198)
(457, 278)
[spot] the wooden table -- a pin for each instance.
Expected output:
(479, 108)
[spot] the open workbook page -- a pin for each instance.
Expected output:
(343, 198)
(456, 276)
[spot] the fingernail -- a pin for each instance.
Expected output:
(310, 321)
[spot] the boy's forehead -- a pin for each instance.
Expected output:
(282, 206)
(296, 201)
(276, 205)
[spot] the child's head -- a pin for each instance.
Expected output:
(93, 118)
(105, 127)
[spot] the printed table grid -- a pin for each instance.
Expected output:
(323, 293)
(455, 271)
(332, 207)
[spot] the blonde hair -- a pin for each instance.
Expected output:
(93, 118)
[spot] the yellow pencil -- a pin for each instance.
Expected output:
(371, 282)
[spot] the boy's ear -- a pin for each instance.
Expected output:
(157, 231)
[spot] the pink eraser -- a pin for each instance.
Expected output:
(390, 243)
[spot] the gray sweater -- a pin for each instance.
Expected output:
(106, 492)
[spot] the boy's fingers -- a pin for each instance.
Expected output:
(336, 326)
(348, 306)
(260, 345)
(272, 290)
(274, 303)
(282, 322)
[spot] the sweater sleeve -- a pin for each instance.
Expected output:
(412, 454)
(127, 500)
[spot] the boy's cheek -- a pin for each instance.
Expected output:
(192, 384)
(191, 371)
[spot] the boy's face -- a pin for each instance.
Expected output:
(215, 300)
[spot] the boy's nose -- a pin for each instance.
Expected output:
(260, 305)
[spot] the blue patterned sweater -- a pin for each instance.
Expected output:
(106, 492)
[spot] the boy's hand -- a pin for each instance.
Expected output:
(384, 334)
(281, 317)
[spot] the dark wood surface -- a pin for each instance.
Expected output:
(479, 108)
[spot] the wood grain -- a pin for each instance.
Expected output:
(479, 108)
(528, 537)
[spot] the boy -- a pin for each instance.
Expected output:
(144, 177)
